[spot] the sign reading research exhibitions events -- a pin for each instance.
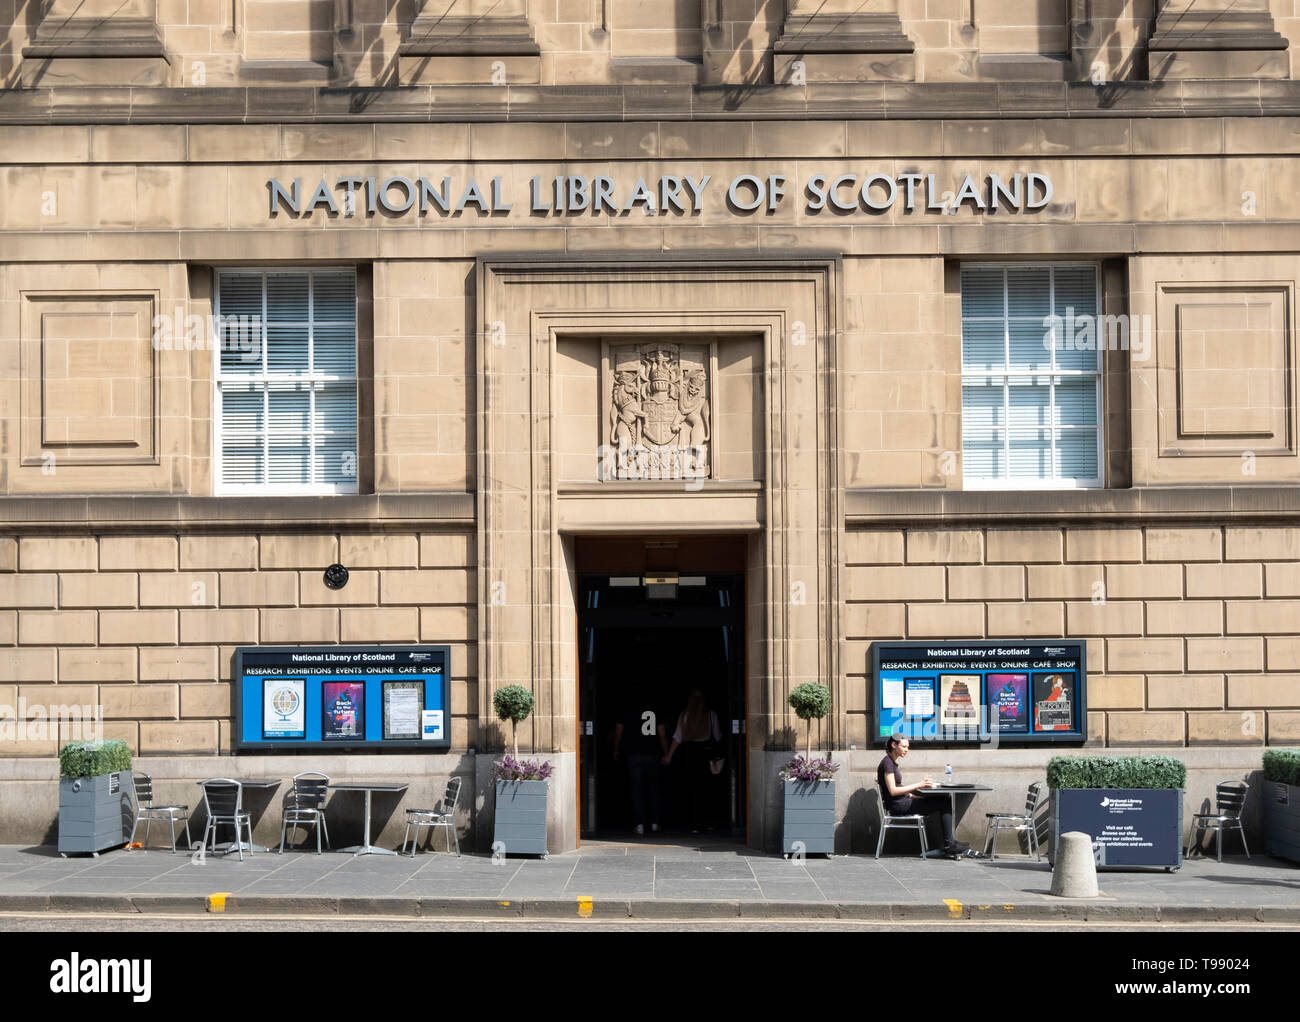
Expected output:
(980, 691)
(569, 195)
(342, 698)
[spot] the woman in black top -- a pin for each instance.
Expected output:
(898, 798)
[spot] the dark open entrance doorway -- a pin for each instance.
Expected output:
(648, 640)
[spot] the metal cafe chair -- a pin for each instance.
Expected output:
(1229, 801)
(1026, 821)
(224, 801)
(441, 815)
(147, 811)
(914, 822)
(304, 806)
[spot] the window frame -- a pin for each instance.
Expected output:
(268, 489)
(1055, 375)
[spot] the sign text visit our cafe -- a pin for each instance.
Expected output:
(680, 194)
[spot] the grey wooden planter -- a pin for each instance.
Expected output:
(95, 812)
(1282, 820)
(519, 827)
(809, 820)
(1144, 831)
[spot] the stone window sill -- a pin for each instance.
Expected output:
(1218, 504)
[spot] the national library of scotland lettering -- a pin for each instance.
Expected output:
(646, 354)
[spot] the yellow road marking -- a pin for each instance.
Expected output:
(217, 901)
(584, 907)
(954, 907)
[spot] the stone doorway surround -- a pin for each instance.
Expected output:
(527, 516)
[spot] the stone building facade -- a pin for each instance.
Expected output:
(540, 291)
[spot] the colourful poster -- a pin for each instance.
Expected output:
(959, 705)
(1054, 702)
(343, 705)
(1008, 699)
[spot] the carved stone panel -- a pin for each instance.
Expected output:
(658, 411)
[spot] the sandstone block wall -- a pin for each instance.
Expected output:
(1191, 630)
(142, 627)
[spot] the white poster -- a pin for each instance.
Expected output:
(284, 708)
(403, 704)
(920, 698)
(891, 694)
(432, 720)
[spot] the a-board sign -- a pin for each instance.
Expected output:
(1128, 826)
(342, 698)
(979, 691)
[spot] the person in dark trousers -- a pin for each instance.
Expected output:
(698, 735)
(899, 800)
(641, 738)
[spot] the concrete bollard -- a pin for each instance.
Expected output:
(1075, 875)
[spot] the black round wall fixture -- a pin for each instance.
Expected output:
(336, 576)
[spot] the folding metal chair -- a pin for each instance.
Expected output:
(1026, 821)
(304, 806)
(1229, 801)
(887, 821)
(147, 811)
(441, 815)
(224, 801)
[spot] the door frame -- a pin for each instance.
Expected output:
(736, 565)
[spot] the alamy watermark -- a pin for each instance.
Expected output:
(192, 332)
(1090, 332)
(41, 722)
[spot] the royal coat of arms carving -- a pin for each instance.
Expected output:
(659, 414)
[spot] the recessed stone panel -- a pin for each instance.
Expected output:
(1225, 370)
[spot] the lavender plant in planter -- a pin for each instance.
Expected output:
(522, 786)
(96, 793)
(808, 823)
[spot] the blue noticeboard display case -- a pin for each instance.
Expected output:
(1008, 691)
(342, 698)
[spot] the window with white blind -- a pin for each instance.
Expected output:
(1031, 377)
(286, 372)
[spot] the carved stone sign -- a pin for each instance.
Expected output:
(659, 412)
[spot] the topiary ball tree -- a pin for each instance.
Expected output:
(810, 701)
(513, 703)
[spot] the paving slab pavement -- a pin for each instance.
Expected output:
(637, 882)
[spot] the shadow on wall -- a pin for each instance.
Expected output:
(784, 739)
(1120, 60)
(28, 15)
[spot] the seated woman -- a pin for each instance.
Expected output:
(898, 798)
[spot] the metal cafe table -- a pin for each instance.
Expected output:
(366, 848)
(952, 791)
(267, 784)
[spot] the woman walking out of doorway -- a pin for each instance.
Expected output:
(696, 734)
